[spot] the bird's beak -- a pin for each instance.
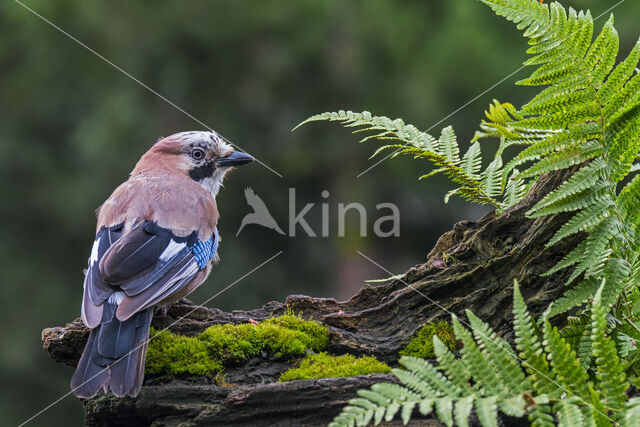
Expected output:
(236, 158)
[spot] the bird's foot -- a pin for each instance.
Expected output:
(161, 311)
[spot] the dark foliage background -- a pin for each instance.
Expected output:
(72, 127)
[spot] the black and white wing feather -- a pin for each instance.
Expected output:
(128, 274)
(146, 265)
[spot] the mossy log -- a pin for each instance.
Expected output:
(471, 267)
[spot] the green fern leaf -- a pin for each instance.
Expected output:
(443, 153)
(610, 372)
(462, 411)
(593, 106)
(530, 345)
(444, 409)
(571, 156)
(632, 413)
(499, 355)
(618, 274)
(598, 193)
(541, 415)
(452, 367)
(597, 410)
(620, 76)
(583, 180)
(423, 378)
(623, 138)
(570, 259)
(569, 414)
(487, 411)
(555, 142)
(448, 146)
(492, 178)
(471, 161)
(585, 220)
(474, 360)
(565, 366)
(579, 294)
(515, 191)
(515, 406)
(425, 406)
(625, 98)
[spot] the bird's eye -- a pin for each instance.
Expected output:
(197, 154)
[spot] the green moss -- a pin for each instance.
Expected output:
(231, 343)
(323, 365)
(422, 344)
(171, 354)
(287, 336)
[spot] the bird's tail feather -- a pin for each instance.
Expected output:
(114, 356)
(90, 376)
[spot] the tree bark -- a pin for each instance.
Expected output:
(471, 267)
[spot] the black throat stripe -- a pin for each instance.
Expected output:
(202, 172)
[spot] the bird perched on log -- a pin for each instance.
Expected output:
(155, 243)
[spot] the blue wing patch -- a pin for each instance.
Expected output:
(205, 251)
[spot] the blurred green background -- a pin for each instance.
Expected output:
(72, 127)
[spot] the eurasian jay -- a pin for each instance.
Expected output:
(155, 243)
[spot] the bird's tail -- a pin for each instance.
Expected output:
(114, 356)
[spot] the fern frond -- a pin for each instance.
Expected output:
(481, 371)
(619, 77)
(586, 117)
(618, 274)
(569, 414)
(585, 220)
(444, 410)
(448, 146)
(625, 98)
(568, 260)
(492, 178)
(609, 369)
(541, 415)
(455, 371)
(555, 142)
(565, 366)
(490, 378)
(499, 354)
(530, 345)
(583, 180)
(472, 161)
(420, 373)
(487, 411)
(632, 412)
(444, 153)
(570, 156)
(462, 411)
(516, 189)
(593, 107)
(598, 410)
(598, 193)
(629, 202)
(584, 291)
(623, 139)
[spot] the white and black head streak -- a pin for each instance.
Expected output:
(203, 149)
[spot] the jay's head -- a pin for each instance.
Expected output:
(202, 156)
